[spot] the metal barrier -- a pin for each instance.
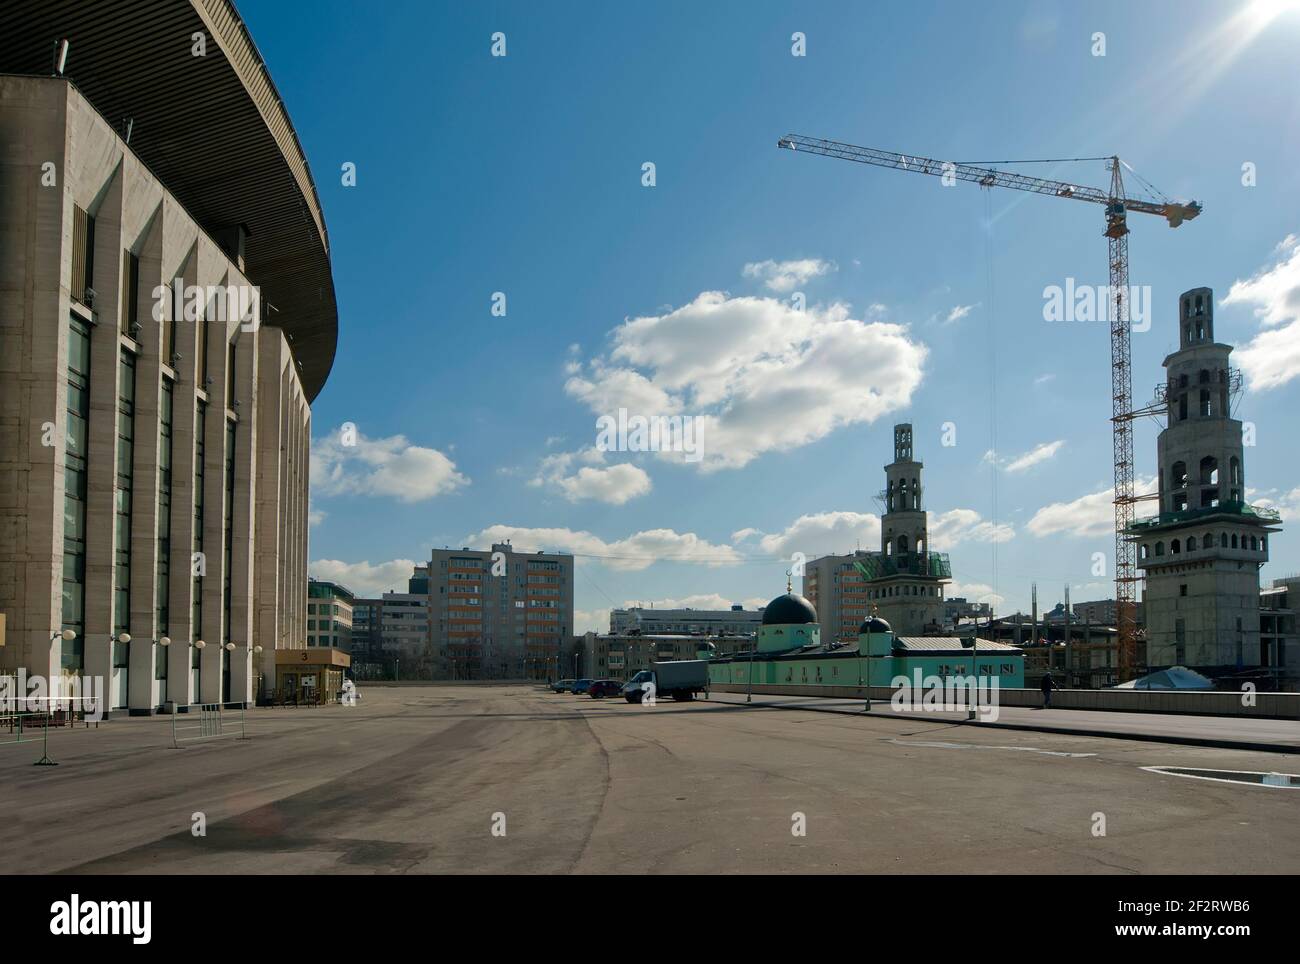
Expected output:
(59, 717)
(211, 725)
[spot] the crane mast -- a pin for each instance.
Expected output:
(1117, 207)
(1121, 388)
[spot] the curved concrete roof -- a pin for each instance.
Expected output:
(213, 129)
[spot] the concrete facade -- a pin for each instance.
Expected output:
(499, 613)
(622, 655)
(1202, 553)
(149, 560)
(329, 614)
(737, 619)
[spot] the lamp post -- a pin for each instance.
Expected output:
(974, 672)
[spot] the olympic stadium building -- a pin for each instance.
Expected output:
(167, 316)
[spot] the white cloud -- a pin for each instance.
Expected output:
(1091, 515)
(786, 275)
(1288, 504)
(590, 621)
(951, 528)
(760, 375)
(958, 313)
(710, 600)
(822, 534)
(363, 578)
(633, 553)
(1272, 357)
(1044, 378)
(839, 533)
(975, 592)
(1039, 453)
(613, 484)
(383, 467)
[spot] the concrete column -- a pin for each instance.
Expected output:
(246, 465)
(143, 695)
(184, 633)
(105, 350)
(35, 232)
(213, 549)
(268, 530)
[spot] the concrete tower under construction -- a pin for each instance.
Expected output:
(908, 586)
(1202, 553)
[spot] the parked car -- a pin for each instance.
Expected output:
(563, 686)
(605, 687)
(580, 686)
(681, 679)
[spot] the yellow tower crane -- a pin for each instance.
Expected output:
(1117, 208)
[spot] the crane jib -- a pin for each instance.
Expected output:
(1173, 212)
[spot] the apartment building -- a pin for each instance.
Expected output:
(498, 613)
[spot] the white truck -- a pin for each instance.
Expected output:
(681, 679)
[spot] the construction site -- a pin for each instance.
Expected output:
(1191, 569)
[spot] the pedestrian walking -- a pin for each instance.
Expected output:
(1048, 685)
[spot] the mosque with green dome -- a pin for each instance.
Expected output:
(788, 650)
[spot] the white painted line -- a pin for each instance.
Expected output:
(1173, 772)
(981, 746)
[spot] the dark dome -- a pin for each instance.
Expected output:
(790, 609)
(875, 625)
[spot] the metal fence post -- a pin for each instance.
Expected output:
(45, 760)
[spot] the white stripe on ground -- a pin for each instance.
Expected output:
(980, 746)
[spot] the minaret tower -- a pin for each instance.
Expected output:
(1202, 553)
(909, 586)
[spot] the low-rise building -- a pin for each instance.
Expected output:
(1278, 642)
(329, 614)
(650, 621)
(623, 655)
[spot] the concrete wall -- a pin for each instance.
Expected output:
(45, 121)
(820, 673)
(1267, 705)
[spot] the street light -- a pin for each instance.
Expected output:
(68, 635)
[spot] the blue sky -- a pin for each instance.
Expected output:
(523, 175)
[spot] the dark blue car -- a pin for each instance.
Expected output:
(581, 686)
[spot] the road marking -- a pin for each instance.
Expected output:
(1258, 778)
(981, 746)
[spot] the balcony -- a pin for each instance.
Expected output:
(932, 564)
(1257, 513)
